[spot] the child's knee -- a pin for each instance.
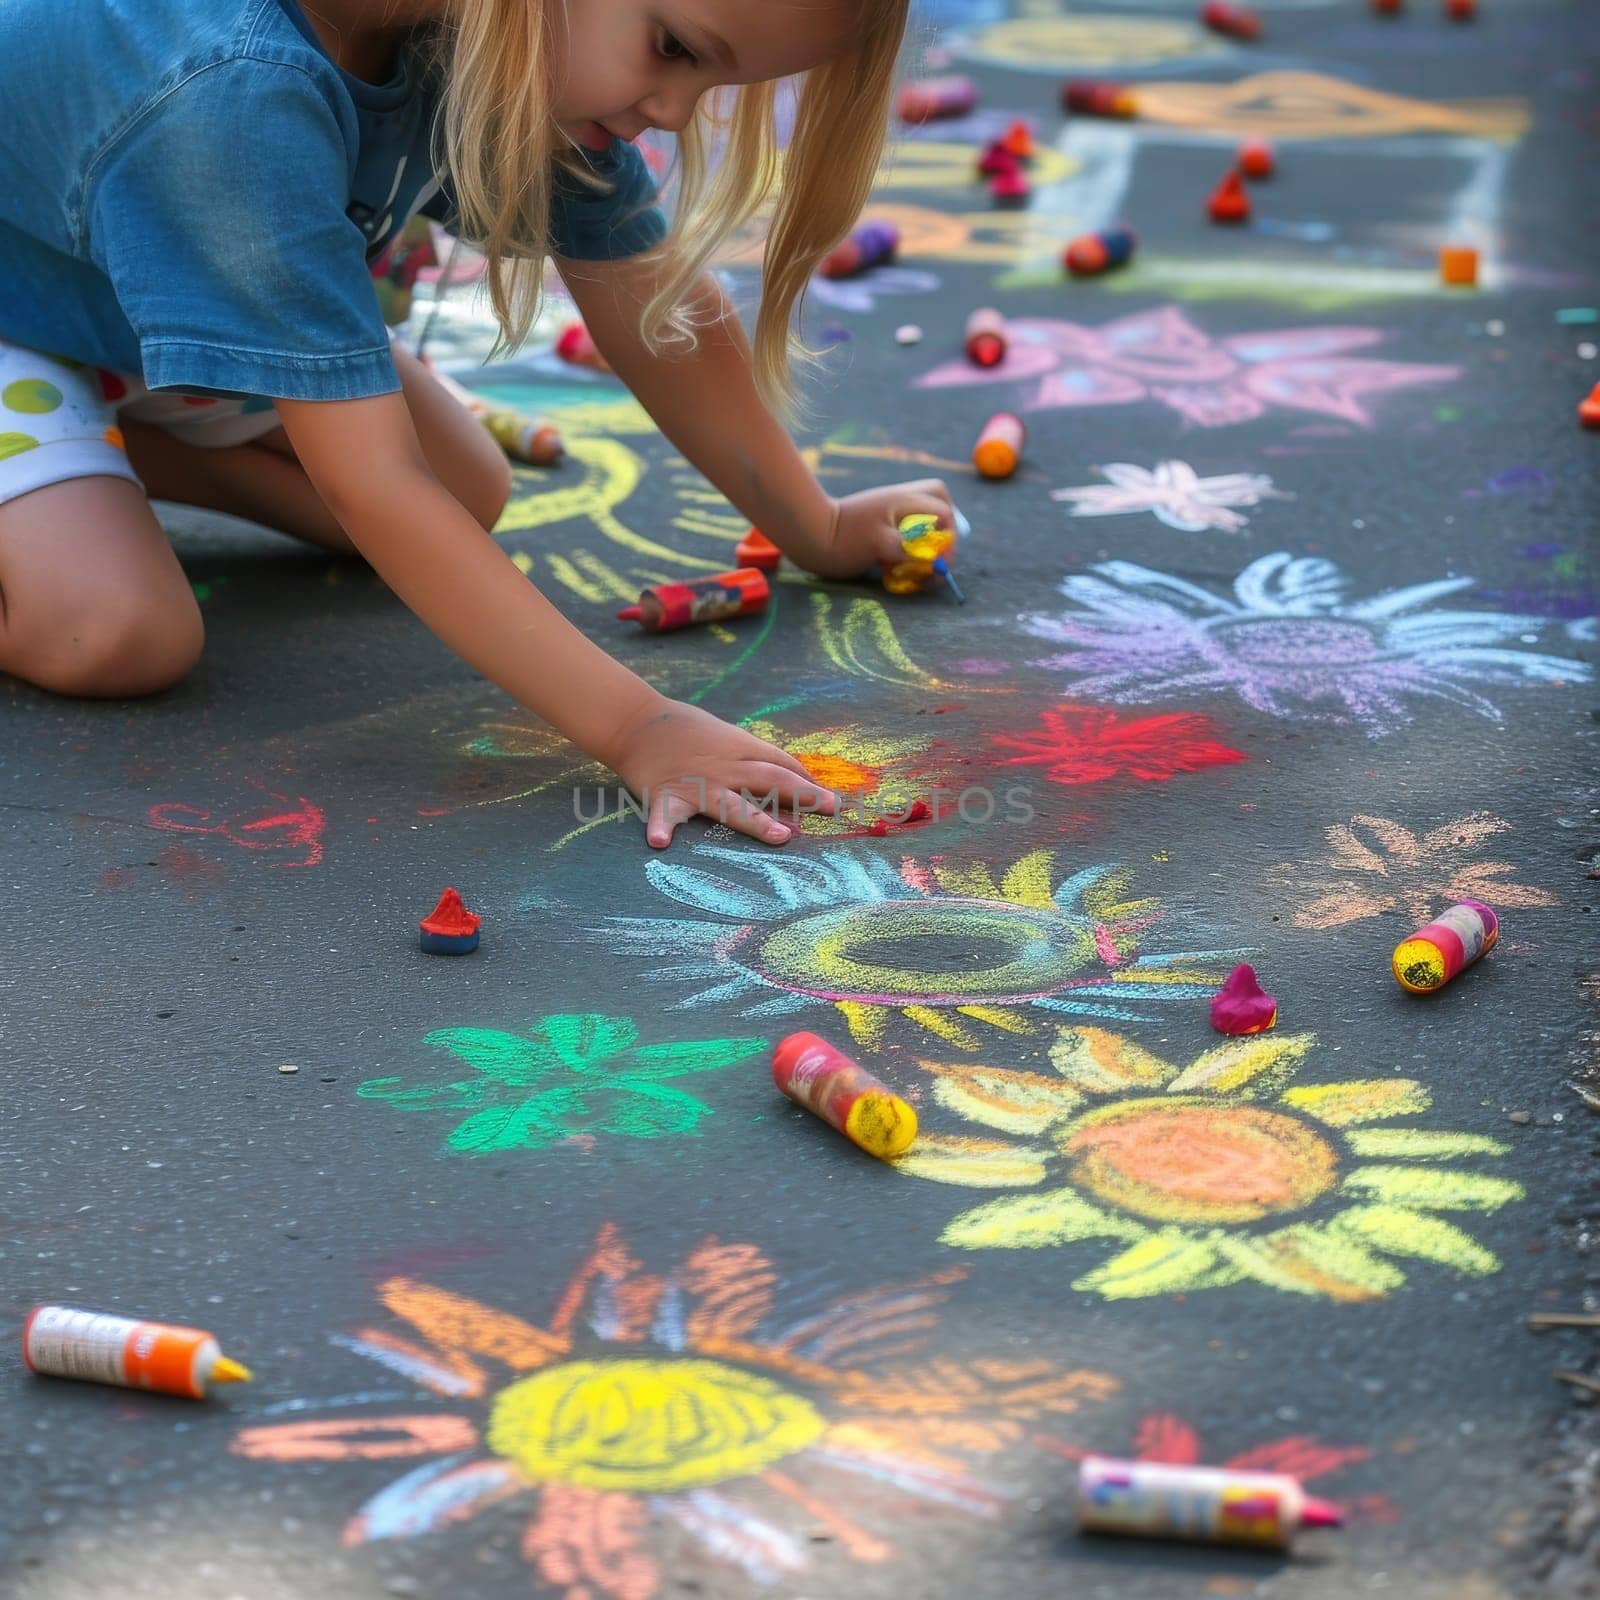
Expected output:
(111, 648)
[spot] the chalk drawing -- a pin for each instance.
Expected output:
(1288, 642)
(291, 832)
(1374, 865)
(1174, 493)
(570, 1076)
(1209, 1174)
(1168, 1438)
(866, 292)
(1058, 44)
(1084, 744)
(1313, 105)
(692, 1401)
(952, 164)
(943, 945)
(1161, 355)
(881, 775)
(862, 642)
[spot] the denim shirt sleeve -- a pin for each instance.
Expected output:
(595, 225)
(591, 224)
(218, 215)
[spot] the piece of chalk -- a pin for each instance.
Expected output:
(1256, 159)
(984, 338)
(1458, 266)
(813, 1074)
(908, 333)
(757, 550)
(449, 929)
(952, 96)
(1000, 445)
(1093, 253)
(1241, 1005)
(1433, 955)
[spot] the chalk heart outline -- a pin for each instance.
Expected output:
(1212, 1173)
(571, 1075)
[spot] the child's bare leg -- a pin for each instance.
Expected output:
(92, 599)
(264, 482)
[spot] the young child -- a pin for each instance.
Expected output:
(193, 189)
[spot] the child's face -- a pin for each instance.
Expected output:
(637, 64)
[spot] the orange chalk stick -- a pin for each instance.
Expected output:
(1458, 266)
(1589, 410)
(985, 337)
(96, 1347)
(845, 1095)
(999, 446)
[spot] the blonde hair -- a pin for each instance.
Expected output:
(496, 138)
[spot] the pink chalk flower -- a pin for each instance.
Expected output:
(1241, 1005)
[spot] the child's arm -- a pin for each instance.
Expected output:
(364, 459)
(707, 404)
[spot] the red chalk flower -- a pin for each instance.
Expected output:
(1084, 744)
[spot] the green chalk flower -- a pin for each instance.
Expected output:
(572, 1074)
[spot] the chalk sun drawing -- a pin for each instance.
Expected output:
(1288, 642)
(1174, 494)
(1085, 744)
(1373, 865)
(943, 945)
(1168, 1438)
(688, 1402)
(1210, 1174)
(1161, 355)
(570, 1076)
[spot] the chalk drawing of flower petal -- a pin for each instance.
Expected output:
(1022, 362)
(1309, 1258)
(1036, 1221)
(1167, 1262)
(1398, 1230)
(973, 1163)
(1210, 405)
(433, 1496)
(1298, 587)
(1296, 344)
(1354, 1104)
(1086, 386)
(1164, 346)
(862, 294)
(1334, 388)
(1025, 1103)
(1432, 1191)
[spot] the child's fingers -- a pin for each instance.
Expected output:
(667, 809)
(930, 495)
(793, 790)
(733, 809)
(778, 757)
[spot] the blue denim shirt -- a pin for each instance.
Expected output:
(192, 190)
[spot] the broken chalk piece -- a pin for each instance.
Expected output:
(845, 1095)
(1229, 202)
(1241, 1005)
(757, 550)
(1589, 410)
(449, 929)
(984, 338)
(1458, 266)
(1234, 21)
(923, 101)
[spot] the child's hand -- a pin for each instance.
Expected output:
(866, 527)
(685, 762)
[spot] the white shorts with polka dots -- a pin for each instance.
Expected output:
(60, 419)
